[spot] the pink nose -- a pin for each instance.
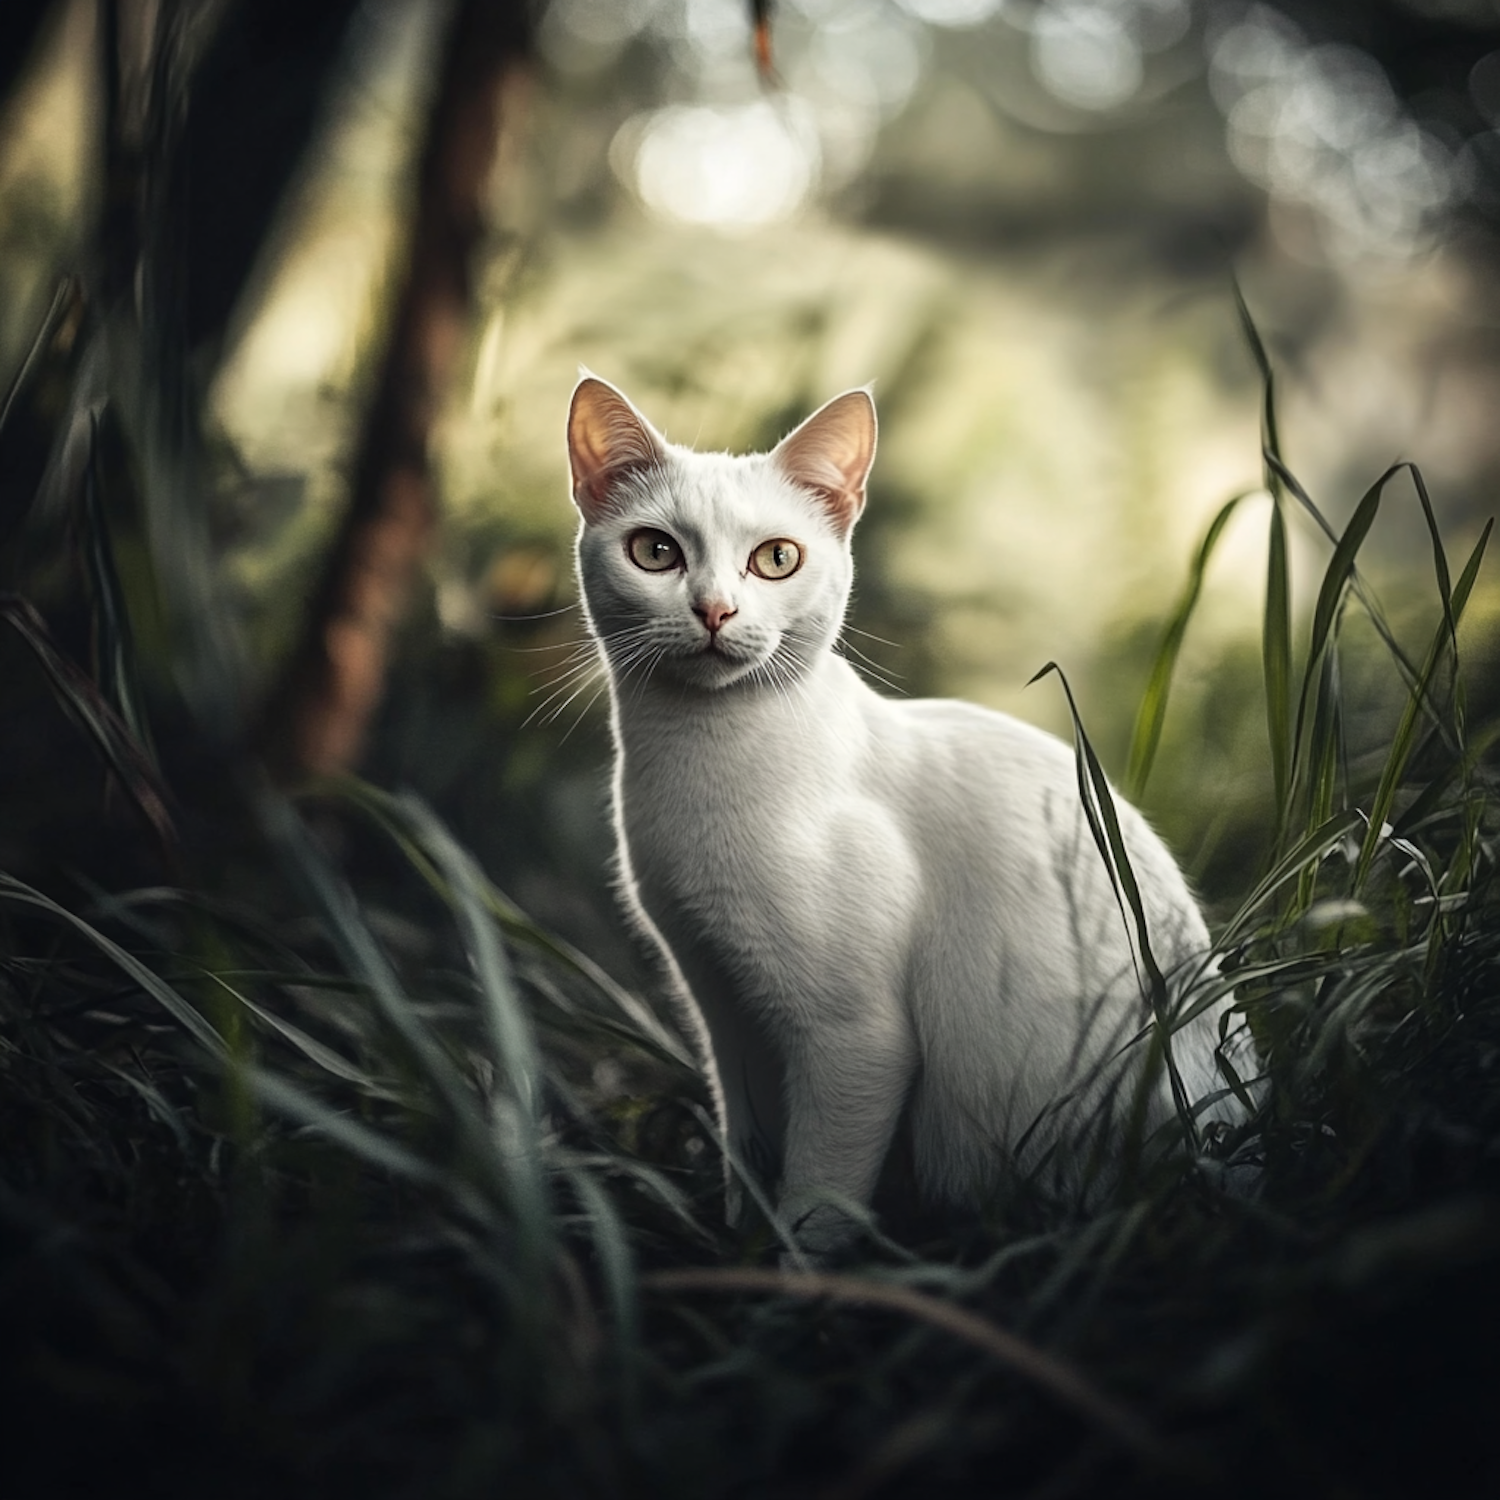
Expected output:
(713, 613)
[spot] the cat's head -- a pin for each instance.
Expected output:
(707, 568)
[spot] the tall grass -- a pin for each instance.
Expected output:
(327, 1169)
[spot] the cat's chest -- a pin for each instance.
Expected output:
(721, 803)
(735, 814)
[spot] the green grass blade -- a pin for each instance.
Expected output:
(1276, 659)
(1317, 760)
(362, 956)
(656, 1185)
(1439, 553)
(1153, 710)
(1357, 584)
(352, 1135)
(1313, 847)
(387, 813)
(1270, 438)
(157, 1102)
(1341, 565)
(310, 1047)
(1445, 640)
(751, 1184)
(509, 1028)
(1276, 626)
(153, 984)
(82, 701)
(1324, 756)
(617, 1266)
(505, 1017)
(29, 414)
(1104, 824)
(114, 639)
(66, 296)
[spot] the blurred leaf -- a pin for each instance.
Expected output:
(35, 402)
(513, 1048)
(168, 998)
(87, 707)
(392, 815)
(355, 1137)
(114, 644)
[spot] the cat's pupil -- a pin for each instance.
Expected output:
(654, 551)
(776, 558)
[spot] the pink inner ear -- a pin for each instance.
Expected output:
(831, 453)
(607, 439)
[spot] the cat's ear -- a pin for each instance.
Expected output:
(831, 454)
(608, 439)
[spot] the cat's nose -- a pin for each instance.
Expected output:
(713, 613)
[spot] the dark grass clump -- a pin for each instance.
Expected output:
(325, 1171)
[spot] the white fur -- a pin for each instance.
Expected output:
(871, 903)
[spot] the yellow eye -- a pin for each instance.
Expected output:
(654, 551)
(776, 559)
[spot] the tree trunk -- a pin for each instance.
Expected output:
(317, 718)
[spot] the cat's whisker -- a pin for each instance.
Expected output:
(644, 659)
(868, 667)
(650, 663)
(563, 679)
(579, 680)
(867, 659)
(555, 714)
(583, 712)
(627, 636)
(645, 653)
(572, 643)
(587, 654)
(576, 681)
(573, 659)
(626, 632)
(871, 636)
(778, 675)
(875, 675)
(545, 614)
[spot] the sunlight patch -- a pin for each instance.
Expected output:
(734, 167)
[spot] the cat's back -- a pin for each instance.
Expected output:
(955, 762)
(993, 805)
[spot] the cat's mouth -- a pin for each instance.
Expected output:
(715, 662)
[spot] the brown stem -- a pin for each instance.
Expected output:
(1047, 1371)
(317, 718)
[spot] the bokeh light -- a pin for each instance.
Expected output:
(734, 167)
(1085, 54)
(959, 14)
(1320, 126)
(1317, 127)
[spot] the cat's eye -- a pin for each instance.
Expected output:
(775, 559)
(653, 550)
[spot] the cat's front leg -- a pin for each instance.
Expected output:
(748, 1077)
(846, 1085)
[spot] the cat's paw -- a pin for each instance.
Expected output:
(823, 1234)
(800, 1260)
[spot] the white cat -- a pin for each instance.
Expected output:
(874, 905)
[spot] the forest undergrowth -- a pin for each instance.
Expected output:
(326, 1171)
